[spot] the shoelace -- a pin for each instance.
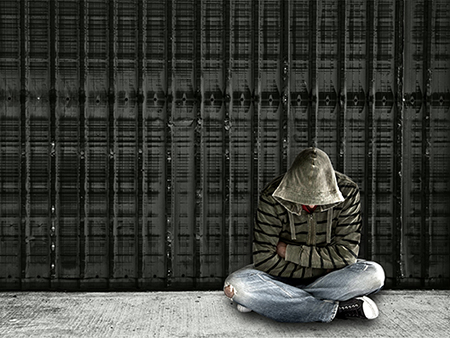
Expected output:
(347, 307)
(353, 310)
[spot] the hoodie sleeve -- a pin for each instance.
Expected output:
(344, 247)
(267, 228)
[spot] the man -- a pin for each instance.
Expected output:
(306, 242)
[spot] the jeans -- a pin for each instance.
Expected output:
(285, 300)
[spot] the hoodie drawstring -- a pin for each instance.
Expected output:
(329, 224)
(292, 224)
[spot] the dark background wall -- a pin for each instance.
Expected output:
(136, 135)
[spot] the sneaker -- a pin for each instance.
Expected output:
(360, 307)
(243, 308)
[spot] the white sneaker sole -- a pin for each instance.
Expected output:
(369, 307)
(241, 308)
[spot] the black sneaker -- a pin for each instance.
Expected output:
(360, 307)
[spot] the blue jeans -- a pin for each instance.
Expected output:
(299, 301)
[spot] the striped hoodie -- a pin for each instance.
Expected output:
(327, 238)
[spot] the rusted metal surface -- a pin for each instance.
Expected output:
(136, 135)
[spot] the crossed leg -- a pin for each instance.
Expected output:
(318, 301)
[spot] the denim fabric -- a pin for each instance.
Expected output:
(297, 301)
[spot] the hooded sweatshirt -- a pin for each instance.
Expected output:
(327, 238)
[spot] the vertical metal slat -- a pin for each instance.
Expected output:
(312, 77)
(398, 141)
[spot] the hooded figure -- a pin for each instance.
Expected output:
(315, 211)
(305, 247)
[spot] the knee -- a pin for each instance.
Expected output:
(229, 291)
(235, 283)
(231, 288)
(229, 285)
(376, 275)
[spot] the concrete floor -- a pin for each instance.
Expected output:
(205, 314)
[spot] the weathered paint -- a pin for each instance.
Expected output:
(136, 135)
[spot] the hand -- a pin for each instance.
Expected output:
(281, 249)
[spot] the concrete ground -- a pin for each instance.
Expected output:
(205, 314)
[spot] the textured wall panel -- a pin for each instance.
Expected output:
(240, 127)
(385, 242)
(136, 135)
(210, 139)
(67, 139)
(11, 138)
(98, 66)
(39, 134)
(156, 168)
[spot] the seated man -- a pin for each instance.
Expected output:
(306, 241)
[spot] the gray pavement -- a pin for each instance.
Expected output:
(205, 314)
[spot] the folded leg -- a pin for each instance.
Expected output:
(359, 279)
(268, 296)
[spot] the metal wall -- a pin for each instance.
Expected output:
(136, 135)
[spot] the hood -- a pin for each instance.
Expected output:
(311, 180)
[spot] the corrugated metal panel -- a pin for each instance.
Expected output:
(136, 135)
